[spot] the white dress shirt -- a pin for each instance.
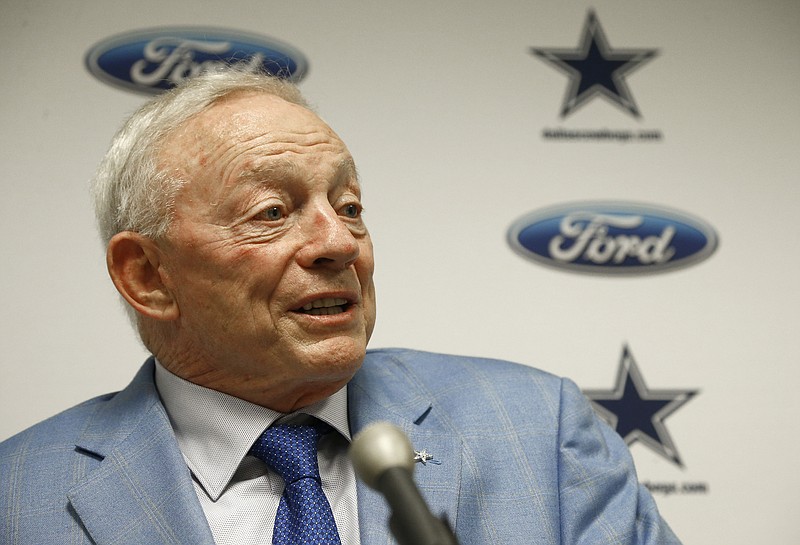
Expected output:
(238, 493)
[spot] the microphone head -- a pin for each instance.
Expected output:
(378, 447)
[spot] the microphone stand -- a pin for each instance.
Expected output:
(411, 523)
(383, 458)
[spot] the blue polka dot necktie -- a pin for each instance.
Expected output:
(304, 514)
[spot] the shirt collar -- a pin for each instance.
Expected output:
(215, 430)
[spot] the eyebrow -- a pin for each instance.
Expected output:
(268, 171)
(348, 168)
(274, 171)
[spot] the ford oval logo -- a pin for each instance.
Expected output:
(150, 61)
(612, 238)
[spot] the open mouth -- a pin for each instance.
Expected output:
(325, 307)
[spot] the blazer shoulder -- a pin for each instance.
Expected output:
(63, 428)
(463, 384)
(432, 367)
(103, 415)
(39, 464)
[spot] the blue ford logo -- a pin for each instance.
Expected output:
(612, 238)
(150, 61)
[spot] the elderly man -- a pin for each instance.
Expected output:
(232, 218)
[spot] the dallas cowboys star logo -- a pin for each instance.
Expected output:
(425, 457)
(595, 69)
(638, 413)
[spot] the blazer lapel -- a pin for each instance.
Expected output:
(142, 492)
(388, 393)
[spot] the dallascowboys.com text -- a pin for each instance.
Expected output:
(673, 488)
(602, 135)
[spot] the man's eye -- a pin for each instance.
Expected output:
(351, 211)
(272, 213)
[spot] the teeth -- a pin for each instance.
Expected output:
(328, 303)
(325, 311)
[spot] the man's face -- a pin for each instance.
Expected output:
(267, 257)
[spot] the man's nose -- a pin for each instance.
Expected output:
(329, 242)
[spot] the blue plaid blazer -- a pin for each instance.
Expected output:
(523, 459)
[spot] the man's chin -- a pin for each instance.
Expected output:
(338, 356)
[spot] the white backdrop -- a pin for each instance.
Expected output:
(444, 108)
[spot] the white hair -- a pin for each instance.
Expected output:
(129, 191)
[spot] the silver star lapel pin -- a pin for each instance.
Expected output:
(423, 456)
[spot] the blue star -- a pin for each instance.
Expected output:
(595, 69)
(638, 413)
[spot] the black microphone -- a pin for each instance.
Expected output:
(383, 458)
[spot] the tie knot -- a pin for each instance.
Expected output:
(290, 451)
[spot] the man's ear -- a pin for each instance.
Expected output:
(134, 263)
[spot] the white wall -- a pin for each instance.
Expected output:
(443, 107)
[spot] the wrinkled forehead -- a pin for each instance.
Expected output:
(253, 137)
(244, 116)
(261, 121)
